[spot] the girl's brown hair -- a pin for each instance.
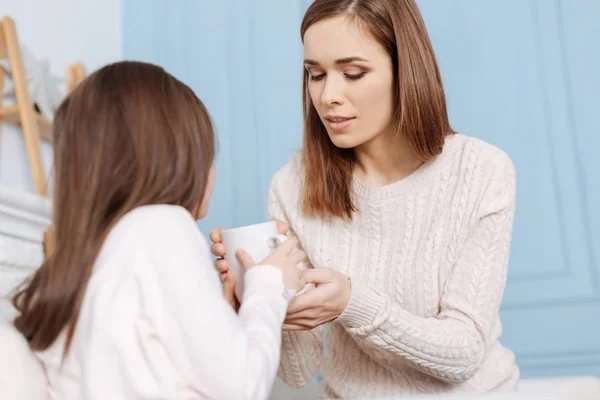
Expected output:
(129, 135)
(420, 112)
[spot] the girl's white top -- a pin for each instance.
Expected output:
(154, 323)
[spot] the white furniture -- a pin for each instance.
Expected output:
(22, 377)
(23, 219)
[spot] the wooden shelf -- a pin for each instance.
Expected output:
(10, 114)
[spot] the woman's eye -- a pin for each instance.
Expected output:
(355, 76)
(317, 77)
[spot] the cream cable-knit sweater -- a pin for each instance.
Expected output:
(428, 259)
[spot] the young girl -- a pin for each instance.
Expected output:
(407, 224)
(128, 306)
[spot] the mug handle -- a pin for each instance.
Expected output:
(274, 241)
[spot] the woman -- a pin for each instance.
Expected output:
(407, 224)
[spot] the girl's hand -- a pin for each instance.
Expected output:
(285, 257)
(222, 266)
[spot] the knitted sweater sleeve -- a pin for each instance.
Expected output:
(301, 351)
(452, 345)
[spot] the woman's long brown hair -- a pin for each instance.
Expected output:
(420, 104)
(129, 135)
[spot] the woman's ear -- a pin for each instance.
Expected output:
(208, 190)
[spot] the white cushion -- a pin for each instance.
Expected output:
(22, 376)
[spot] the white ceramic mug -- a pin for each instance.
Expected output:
(257, 240)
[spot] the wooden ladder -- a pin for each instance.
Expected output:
(23, 113)
(35, 126)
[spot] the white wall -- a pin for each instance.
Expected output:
(62, 32)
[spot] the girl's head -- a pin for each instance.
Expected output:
(370, 73)
(129, 135)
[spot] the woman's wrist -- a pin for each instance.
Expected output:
(362, 308)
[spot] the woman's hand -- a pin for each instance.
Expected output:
(222, 266)
(322, 304)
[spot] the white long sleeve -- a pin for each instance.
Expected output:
(154, 323)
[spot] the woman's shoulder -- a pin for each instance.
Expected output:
(476, 154)
(290, 177)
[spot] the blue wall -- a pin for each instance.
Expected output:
(521, 74)
(244, 60)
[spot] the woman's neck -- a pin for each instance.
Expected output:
(384, 160)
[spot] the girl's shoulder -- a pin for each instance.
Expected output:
(154, 220)
(152, 229)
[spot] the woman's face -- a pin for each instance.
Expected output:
(350, 81)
